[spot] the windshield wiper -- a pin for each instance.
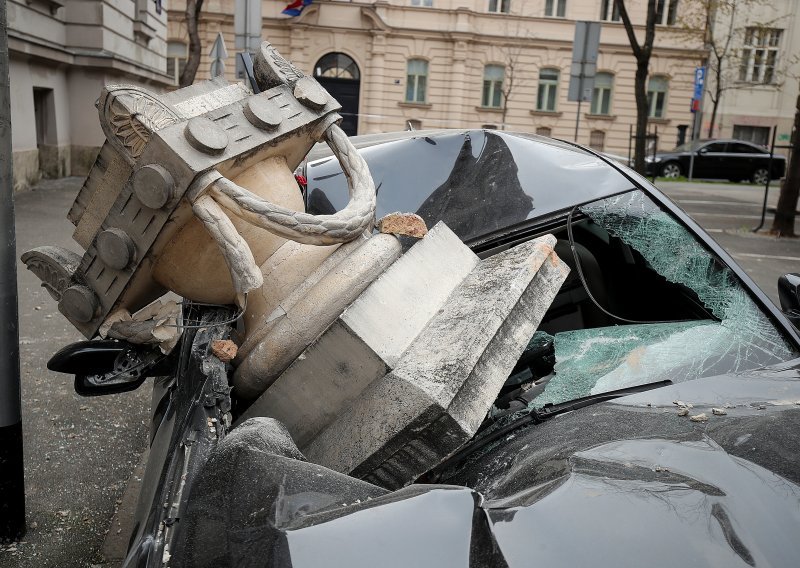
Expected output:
(537, 416)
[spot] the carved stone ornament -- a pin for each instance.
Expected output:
(54, 266)
(129, 115)
(271, 69)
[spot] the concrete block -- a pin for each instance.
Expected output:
(439, 391)
(307, 319)
(368, 338)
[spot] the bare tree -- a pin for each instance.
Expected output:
(512, 79)
(719, 24)
(192, 15)
(642, 53)
(719, 50)
(783, 222)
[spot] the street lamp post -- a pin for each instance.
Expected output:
(12, 487)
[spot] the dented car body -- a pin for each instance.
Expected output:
(541, 350)
(590, 440)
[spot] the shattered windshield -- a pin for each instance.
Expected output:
(736, 335)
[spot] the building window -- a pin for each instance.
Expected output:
(177, 54)
(417, 80)
(666, 12)
(601, 96)
(759, 55)
(597, 140)
(500, 6)
(609, 11)
(337, 66)
(755, 134)
(555, 8)
(548, 90)
(657, 97)
(544, 131)
(422, 3)
(493, 86)
(489, 126)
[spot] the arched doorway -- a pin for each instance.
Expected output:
(339, 74)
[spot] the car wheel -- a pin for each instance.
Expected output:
(671, 170)
(760, 176)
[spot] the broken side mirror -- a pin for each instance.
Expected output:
(789, 294)
(109, 367)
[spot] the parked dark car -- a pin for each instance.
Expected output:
(733, 160)
(653, 419)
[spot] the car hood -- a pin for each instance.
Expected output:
(615, 484)
(664, 155)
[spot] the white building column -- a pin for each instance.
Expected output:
(373, 89)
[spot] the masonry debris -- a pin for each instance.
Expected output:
(380, 360)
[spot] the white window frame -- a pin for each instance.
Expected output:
(593, 140)
(609, 11)
(549, 87)
(176, 59)
(669, 12)
(422, 3)
(555, 8)
(760, 51)
(653, 96)
(414, 79)
(499, 6)
(599, 92)
(492, 87)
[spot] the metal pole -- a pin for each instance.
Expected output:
(630, 143)
(12, 482)
(578, 118)
(769, 178)
(655, 150)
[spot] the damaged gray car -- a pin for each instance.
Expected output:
(651, 419)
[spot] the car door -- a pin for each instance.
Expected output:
(742, 160)
(709, 161)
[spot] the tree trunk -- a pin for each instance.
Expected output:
(783, 223)
(642, 111)
(642, 54)
(711, 125)
(717, 96)
(192, 16)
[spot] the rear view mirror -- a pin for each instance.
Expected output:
(789, 294)
(702, 151)
(108, 367)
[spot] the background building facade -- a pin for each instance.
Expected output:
(61, 53)
(471, 63)
(761, 72)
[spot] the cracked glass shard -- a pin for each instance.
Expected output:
(596, 360)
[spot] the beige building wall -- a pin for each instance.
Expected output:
(750, 103)
(62, 52)
(458, 38)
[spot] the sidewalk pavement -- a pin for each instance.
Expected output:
(80, 453)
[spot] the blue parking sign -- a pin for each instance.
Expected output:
(699, 80)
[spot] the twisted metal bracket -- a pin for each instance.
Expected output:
(344, 226)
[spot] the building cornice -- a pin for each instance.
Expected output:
(22, 44)
(486, 39)
(372, 15)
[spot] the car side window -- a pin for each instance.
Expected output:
(715, 147)
(739, 148)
